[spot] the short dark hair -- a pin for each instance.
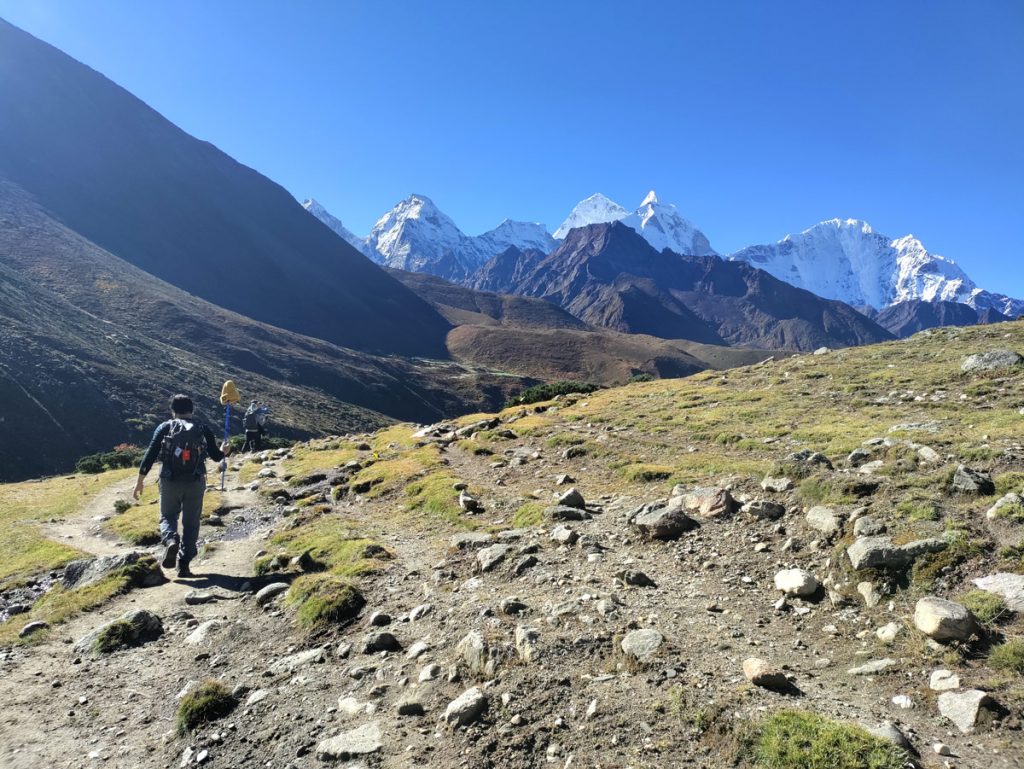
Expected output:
(181, 404)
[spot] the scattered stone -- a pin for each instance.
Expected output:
(295, 661)
(429, 673)
(887, 633)
(761, 673)
(635, 578)
(943, 620)
(642, 645)
(269, 592)
(33, 627)
(381, 641)
(867, 526)
(361, 741)
(965, 709)
(202, 632)
(564, 479)
(873, 667)
(943, 681)
(573, 452)
(991, 360)
(903, 702)
(1009, 587)
(764, 509)
(526, 563)
(466, 708)
(140, 566)
(473, 651)
(467, 503)
(708, 502)
(968, 481)
(410, 708)
(526, 643)
(257, 696)
(471, 539)
(889, 732)
(880, 552)
(796, 582)
(661, 522)
(858, 457)
(417, 650)
(512, 606)
(351, 707)
(491, 556)
(942, 749)
(563, 535)
(572, 498)
(825, 520)
(808, 457)
(777, 485)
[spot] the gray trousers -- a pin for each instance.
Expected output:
(184, 498)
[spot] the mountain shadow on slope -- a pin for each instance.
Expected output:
(111, 168)
(907, 318)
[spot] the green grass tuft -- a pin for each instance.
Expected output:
(986, 607)
(117, 635)
(435, 495)
(793, 739)
(529, 514)
(207, 702)
(322, 600)
(1008, 656)
(644, 473)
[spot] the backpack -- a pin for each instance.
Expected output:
(183, 452)
(251, 421)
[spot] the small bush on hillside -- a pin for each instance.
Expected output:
(323, 599)
(122, 506)
(794, 739)
(546, 392)
(208, 702)
(918, 510)
(124, 455)
(119, 634)
(1008, 656)
(986, 607)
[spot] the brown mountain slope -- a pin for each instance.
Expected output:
(111, 168)
(608, 275)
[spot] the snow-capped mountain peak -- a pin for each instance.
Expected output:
(335, 224)
(523, 235)
(597, 209)
(664, 227)
(651, 199)
(846, 259)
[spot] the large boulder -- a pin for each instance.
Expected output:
(1009, 587)
(943, 620)
(968, 481)
(141, 568)
(361, 741)
(881, 553)
(662, 521)
(991, 361)
(966, 708)
(824, 519)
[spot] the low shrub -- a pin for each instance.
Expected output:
(545, 392)
(1008, 656)
(323, 599)
(207, 702)
(986, 607)
(124, 455)
(792, 739)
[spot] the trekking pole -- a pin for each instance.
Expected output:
(228, 394)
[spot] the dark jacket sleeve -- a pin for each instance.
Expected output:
(211, 444)
(154, 449)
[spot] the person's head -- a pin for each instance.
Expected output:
(181, 406)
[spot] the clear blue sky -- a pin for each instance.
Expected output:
(756, 118)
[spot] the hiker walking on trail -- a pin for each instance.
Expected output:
(253, 428)
(182, 444)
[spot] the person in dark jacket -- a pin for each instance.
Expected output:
(182, 445)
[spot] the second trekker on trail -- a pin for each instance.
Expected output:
(182, 444)
(254, 422)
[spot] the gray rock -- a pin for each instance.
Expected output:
(572, 498)
(635, 578)
(475, 653)
(295, 661)
(808, 457)
(468, 503)
(1005, 502)
(965, 709)
(761, 673)
(33, 627)
(421, 611)
(361, 741)
(1009, 587)
(381, 641)
(873, 667)
(643, 644)
(943, 681)
(868, 527)
(708, 502)
(890, 733)
(566, 513)
(563, 535)
(202, 632)
(764, 509)
(968, 481)
(525, 563)
(564, 479)
(512, 606)
(796, 582)
(200, 597)
(858, 457)
(379, 619)
(825, 520)
(526, 643)
(991, 360)
(269, 592)
(888, 633)
(574, 452)
(429, 673)
(943, 620)
(143, 627)
(777, 485)
(491, 556)
(417, 650)
(89, 571)
(880, 552)
(466, 708)
(410, 708)
(471, 540)
(662, 522)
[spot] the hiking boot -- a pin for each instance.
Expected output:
(183, 570)
(170, 555)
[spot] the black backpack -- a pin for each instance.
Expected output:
(251, 421)
(183, 452)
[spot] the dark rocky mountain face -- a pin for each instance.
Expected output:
(608, 275)
(907, 318)
(114, 170)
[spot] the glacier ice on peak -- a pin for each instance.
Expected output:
(597, 209)
(846, 259)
